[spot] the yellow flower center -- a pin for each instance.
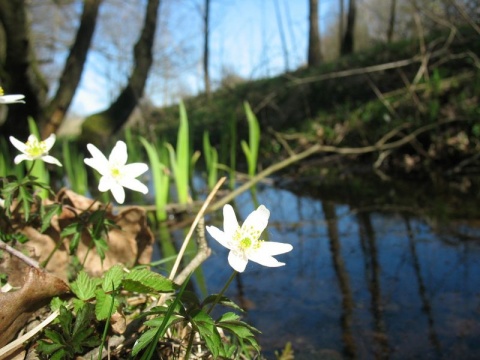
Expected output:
(247, 238)
(35, 148)
(245, 243)
(1, 91)
(115, 172)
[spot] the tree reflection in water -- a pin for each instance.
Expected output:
(361, 282)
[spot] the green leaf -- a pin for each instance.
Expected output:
(104, 305)
(50, 211)
(146, 281)
(47, 347)
(56, 303)
(112, 278)
(84, 287)
(145, 339)
(224, 301)
(208, 331)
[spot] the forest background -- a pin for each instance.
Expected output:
(96, 61)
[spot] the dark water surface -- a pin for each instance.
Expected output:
(378, 271)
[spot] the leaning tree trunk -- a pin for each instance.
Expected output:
(206, 50)
(391, 21)
(18, 70)
(56, 110)
(348, 38)
(97, 128)
(314, 45)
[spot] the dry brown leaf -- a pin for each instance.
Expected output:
(129, 245)
(16, 307)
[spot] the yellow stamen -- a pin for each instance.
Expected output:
(35, 148)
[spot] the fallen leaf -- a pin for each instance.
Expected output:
(16, 307)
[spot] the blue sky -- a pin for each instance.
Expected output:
(244, 39)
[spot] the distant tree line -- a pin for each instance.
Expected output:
(44, 56)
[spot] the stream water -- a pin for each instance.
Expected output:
(379, 270)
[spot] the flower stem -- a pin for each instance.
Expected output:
(29, 171)
(220, 294)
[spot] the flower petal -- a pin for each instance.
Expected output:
(51, 160)
(230, 223)
(274, 248)
(98, 161)
(265, 260)
(119, 154)
(134, 184)
(135, 169)
(18, 144)
(218, 235)
(237, 261)
(11, 99)
(19, 158)
(48, 142)
(105, 183)
(257, 219)
(118, 193)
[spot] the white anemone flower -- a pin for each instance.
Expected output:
(244, 242)
(116, 173)
(34, 149)
(11, 99)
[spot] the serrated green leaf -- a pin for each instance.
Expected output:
(223, 301)
(51, 210)
(144, 340)
(112, 278)
(61, 355)
(65, 319)
(104, 305)
(205, 325)
(146, 281)
(48, 348)
(54, 336)
(229, 316)
(55, 303)
(77, 304)
(238, 329)
(83, 319)
(71, 229)
(84, 287)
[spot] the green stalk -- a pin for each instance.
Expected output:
(180, 158)
(160, 180)
(251, 149)
(211, 161)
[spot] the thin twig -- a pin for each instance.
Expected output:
(27, 260)
(203, 253)
(18, 342)
(194, 225)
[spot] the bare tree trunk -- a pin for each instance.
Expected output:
(282, 34)
(391, 20)
(348, 39)
(340, 25)
(206, 51)
(99, 127)
(18, 70)
(314, 44)
(56, 110)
